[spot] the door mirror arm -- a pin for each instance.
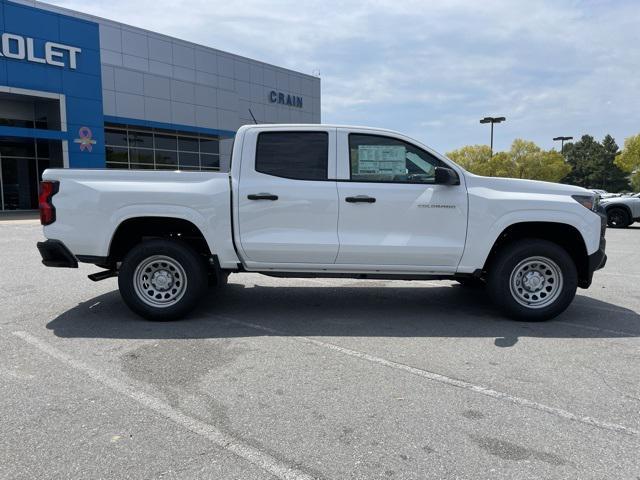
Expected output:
(446, 176)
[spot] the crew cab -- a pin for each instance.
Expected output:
(324, 201)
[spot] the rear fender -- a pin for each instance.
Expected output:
(151, 210)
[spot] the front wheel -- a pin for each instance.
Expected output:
(533, 280)
(162, 279)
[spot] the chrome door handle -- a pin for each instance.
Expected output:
(262, 196)
(360, 199)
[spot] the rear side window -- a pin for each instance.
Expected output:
(296, 155)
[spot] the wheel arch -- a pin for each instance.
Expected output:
(622, 206)
(562, 234)
(134, 230)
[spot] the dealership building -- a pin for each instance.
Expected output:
(79, 91)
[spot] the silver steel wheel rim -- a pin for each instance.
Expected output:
(536, 282)
(160, 281)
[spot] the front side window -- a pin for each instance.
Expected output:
(295, 155)
(375, 158)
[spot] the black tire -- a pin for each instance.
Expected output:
(182, 269)
(618, 218)
(471, 282)
(548, 264)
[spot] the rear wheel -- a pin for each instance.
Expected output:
(618, 218)
(162, 279)
(533, 280)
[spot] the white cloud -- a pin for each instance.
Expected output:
(432, 69)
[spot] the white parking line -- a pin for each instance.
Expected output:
(437, 377)
(221, 439)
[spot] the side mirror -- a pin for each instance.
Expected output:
(446, 176)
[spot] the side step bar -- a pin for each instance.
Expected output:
(96, 277)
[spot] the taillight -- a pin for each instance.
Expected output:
(47, 211)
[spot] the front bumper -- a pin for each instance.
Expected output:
(597, 259)
(54, 253)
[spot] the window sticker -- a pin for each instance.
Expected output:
(382, 159)
(423, 165)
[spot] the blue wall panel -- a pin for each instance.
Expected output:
(81, 86)
(31, 22)
(3, 73)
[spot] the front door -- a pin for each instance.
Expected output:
(287, 200)
(391, 211)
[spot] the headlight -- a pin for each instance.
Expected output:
(592, 202)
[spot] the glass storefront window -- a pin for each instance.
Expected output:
(188, 159)
(17, 147)
(140, 148)
(26, 111)
(22, 161)
(117, 138)
(138, 155)
(16, 122)
(188, 144)
(209, 161)
(117, 154)
(142, 166)
(166, 159)
(140, 140)
(210, 145)
(24, 158)
(166, 142)
(122, 166)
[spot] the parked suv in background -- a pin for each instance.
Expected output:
(622, 211)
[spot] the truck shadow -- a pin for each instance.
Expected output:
(239, 310)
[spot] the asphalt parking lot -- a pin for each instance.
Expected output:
(298, 379)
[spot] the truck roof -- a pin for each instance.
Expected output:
(317, 125)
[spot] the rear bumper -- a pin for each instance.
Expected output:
(54, 253)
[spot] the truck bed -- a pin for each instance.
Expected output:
(98, 201)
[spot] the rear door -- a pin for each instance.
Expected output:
(287, 197)
(392, 213)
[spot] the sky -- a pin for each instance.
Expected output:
(431, 69)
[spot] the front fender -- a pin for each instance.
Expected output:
(488, 221)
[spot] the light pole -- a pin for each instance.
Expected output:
(492, 120)
(562, 139)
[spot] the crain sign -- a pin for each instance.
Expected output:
(22, 48)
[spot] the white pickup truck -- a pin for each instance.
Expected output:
(324, 201)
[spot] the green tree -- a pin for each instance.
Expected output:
(501, 165)
(583, 157)
(524, 160)
(629, 160)
(613, 178)
(523, 155)
(549, 166)
(593, 164)
(474, 158)
(477, 159)
(531, 162)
